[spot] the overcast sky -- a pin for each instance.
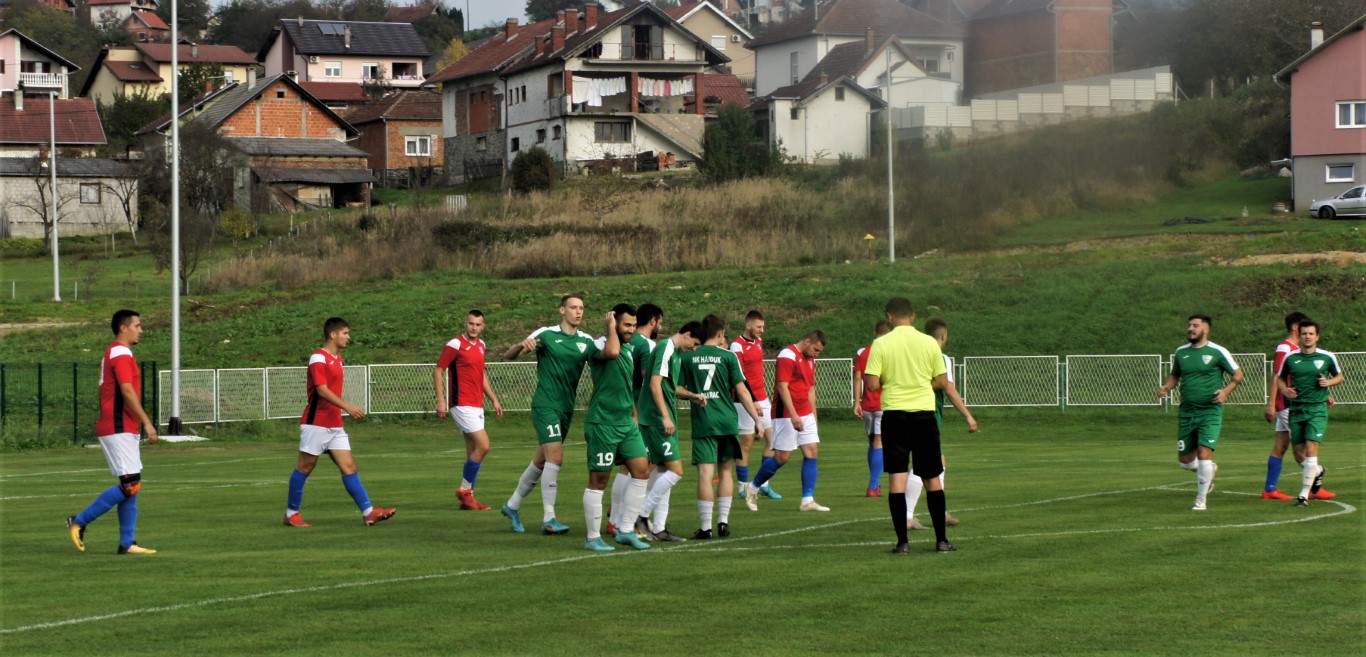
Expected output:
(481, 12)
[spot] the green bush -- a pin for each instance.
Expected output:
(733, 148)
(533, 170)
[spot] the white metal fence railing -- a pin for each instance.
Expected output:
(231, 395)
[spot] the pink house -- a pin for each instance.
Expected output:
(1328, 113)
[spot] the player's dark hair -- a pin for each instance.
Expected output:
(817, 336)
(1209, 321)
(712, 326)
(625, 309)
(934, 326)
(900, 308)
(882, 327)
(121, 319)
(475, 313)
(647, 312)
(565, 299)
(1311, 323)
(1294, 319)
(753, 315)
(693, 328)
(333, 324)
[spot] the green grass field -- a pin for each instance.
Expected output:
(1076, 537)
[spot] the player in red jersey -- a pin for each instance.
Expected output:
(469, 384)
(320, 428)
(749, 348)
(121, 413)
(1279, 414)
(794, 420)
(868, 407)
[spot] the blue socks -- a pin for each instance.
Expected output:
(471, 472)
(107, 500)
(766, 471)
(1273, 473)
(808, 477)
(742, 473)
(357, 491)
(128, 520)
(874, 467)
(296, 490)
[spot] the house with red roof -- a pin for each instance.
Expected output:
(27, 64)
(1328, 115)
(402, 135)
(592, 89)
(147, 67)
(139, 17)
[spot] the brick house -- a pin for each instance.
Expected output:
(586, 88)
(291, 146)
(1023, 43)
(1328, 114)
(402, 135)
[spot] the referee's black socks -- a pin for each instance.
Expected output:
(934, 500)
(897, 502)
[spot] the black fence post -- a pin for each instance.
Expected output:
(75, 404)
(40, 397)
(3, 406)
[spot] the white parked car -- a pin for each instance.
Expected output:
(1351, 203)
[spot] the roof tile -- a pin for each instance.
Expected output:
(391, 39)
(161, 52)
(77, 122)
(407, 105)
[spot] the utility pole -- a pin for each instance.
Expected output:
(891, 191)
(52, 189)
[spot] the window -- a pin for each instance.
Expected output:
(332, 69)
(90, 193)
(1354, 193)
(279, 93)
(554, 85)
(417, 146)
(369, 71)
(555, 131)
(227, 77)
(839, 94)
(1341, 173)
(719, 43)
(481, 143)
(794, 114)
(930, 65)
(611, 132)
(793, 59)
(540, 136)
(522, 90)
(1352, 114)
(516, 144)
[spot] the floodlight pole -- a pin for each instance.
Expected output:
(891, 192)
(52, 189)
(174, 426)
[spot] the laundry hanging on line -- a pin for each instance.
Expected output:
(664, 88)
(593, 90)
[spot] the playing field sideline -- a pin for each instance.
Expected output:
(1077, 536)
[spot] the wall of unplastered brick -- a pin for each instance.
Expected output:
(281, 112)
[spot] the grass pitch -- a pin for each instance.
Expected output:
(1077, 537)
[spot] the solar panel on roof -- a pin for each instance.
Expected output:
(330, 28)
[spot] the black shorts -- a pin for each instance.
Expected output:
(911, 438)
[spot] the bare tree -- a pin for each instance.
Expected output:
(39, 202)
(602, 194)
(125, 190)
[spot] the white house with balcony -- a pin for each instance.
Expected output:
(353, 52)
(591, 89)
(27, 64)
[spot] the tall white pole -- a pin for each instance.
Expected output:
(891, 154)
(174, 423)
(52, 189)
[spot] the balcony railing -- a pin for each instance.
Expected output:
(41, 80)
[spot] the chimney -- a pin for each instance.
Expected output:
(19, 99)
(571, 20)
(251, 76)
(301, 21)
(511, 28)
(194, 51)
(540, 47)
(346, 37)
(825, 79)
(869, 40)
(1315, 34)
(590, 16)
(557, 36)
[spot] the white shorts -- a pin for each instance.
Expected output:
(470, 419)
(872, 423)
(1283, 420)
(315, 440)
(788, 439)
(123, 452)
(747, 422)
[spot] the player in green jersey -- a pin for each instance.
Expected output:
(1199, 366)
(649, 318)
(657, 409)
(1304, 379)
(561, 352)
(611, 431)
(713, 373)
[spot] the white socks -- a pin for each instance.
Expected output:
(550, 488)
(631, 500)
(1309, 471)
(1192, 466)
(657, 502)
(618, 489)
(704, 508)
(592, 512)
(723, 509)
(530, 476)
(914, 485)
(1204, 474)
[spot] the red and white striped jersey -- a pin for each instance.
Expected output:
(118, 367)
(324, 369)
(751, 355)
(799, 372)
(465, 382)
(1285, 348)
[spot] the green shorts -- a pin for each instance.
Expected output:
(715, 449)
(1202, 430)
(550, 424)
(1308, 423)
(662, 448)
(610, 446)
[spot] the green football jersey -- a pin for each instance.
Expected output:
(1201, 371)
(941, 397)
(1302, 372)
(713, 372)
(559, 366)
(611, 402)
(664, 361)
(641, 348)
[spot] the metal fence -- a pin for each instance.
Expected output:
(41, 400)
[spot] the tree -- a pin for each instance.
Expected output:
(125, 114)
(206, 165)
(39, 201)
(375, 11)
(195, 79)
(76, 41)
(437, 30)
(452, 53)
(125, 190)
(602, 194)
(247, 23)
(533, 170)
(732, 148)
(193, 14)
(539, 10)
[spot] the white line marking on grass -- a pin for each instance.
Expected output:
(168, 488)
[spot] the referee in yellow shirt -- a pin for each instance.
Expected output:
(906, 366)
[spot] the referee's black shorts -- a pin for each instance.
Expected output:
(911, 438)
